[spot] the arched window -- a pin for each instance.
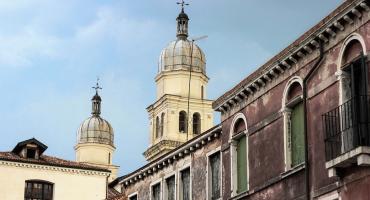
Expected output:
(196, 123)
(293, 112)
(162, 124)
(182, 122)
(157, 127)
(239, 155)
(38, 189)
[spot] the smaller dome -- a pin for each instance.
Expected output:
(177, 56)
(95, 130)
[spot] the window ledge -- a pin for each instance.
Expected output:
(359, 156)
(293, 170)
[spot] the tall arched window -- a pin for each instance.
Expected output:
(196, 123)
(239, 155)
(38, 189)
(182, 122)
(293, 123)
(157, 127)
(162, 124)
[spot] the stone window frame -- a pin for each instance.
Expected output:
(233, 153)
(330, 196)
(179, 185)
(208, 186)
(287, 111)
(165, 191)
(341, 77)
(157, 181)
(43, 183)
(133, 194)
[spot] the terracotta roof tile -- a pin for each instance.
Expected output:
(49, 160)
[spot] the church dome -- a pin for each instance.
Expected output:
(95, 129)
(182, 53)
(177, 55)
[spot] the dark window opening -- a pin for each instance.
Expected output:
(182, 122)
(134, 197)
(156, 192)
(38, 190)
(170, 188)
(196, 123)
(215, 174)
(31, 153)
(185, 184)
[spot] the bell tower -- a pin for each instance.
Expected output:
(181, 110)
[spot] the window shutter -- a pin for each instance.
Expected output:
(242, 165)
(297, 134)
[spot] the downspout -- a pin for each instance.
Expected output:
(107, 187)
(305, 82)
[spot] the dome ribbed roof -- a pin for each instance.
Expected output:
(177, 56)
(95, 130)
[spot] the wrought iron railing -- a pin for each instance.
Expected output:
(347, 126)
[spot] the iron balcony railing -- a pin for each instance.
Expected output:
(347, 127)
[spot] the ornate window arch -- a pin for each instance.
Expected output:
(342, 75)
(293, 112)
(239, 154)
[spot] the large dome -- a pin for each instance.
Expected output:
(95, 130)
(177, 56)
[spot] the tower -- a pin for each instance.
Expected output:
(95, 139)
(181, 89)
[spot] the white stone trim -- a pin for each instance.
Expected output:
(157, 181)
(53, 168)
(340, 73)
(214, 151)
(133, 194)
(235, 119)
(184, 167)
(287, 121)
(330, 196)
(165, 190)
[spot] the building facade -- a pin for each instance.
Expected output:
(26, 173)
(296, 128)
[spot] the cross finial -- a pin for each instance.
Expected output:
(97, 87)
(182, 3)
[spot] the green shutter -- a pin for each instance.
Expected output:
(297, 134)
(242, 164)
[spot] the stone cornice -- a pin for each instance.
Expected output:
(324, 32)
(167, 160)
(52, 168)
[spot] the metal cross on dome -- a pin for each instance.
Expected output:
(182, 3)
(97, 87)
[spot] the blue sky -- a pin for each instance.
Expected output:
(52, 51)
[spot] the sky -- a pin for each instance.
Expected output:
(52, 51)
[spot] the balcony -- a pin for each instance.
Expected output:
(347, 137)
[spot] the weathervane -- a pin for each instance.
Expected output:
(97, 87)
(182, 3)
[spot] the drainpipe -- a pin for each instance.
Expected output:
(305, 82)
(107, 187)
